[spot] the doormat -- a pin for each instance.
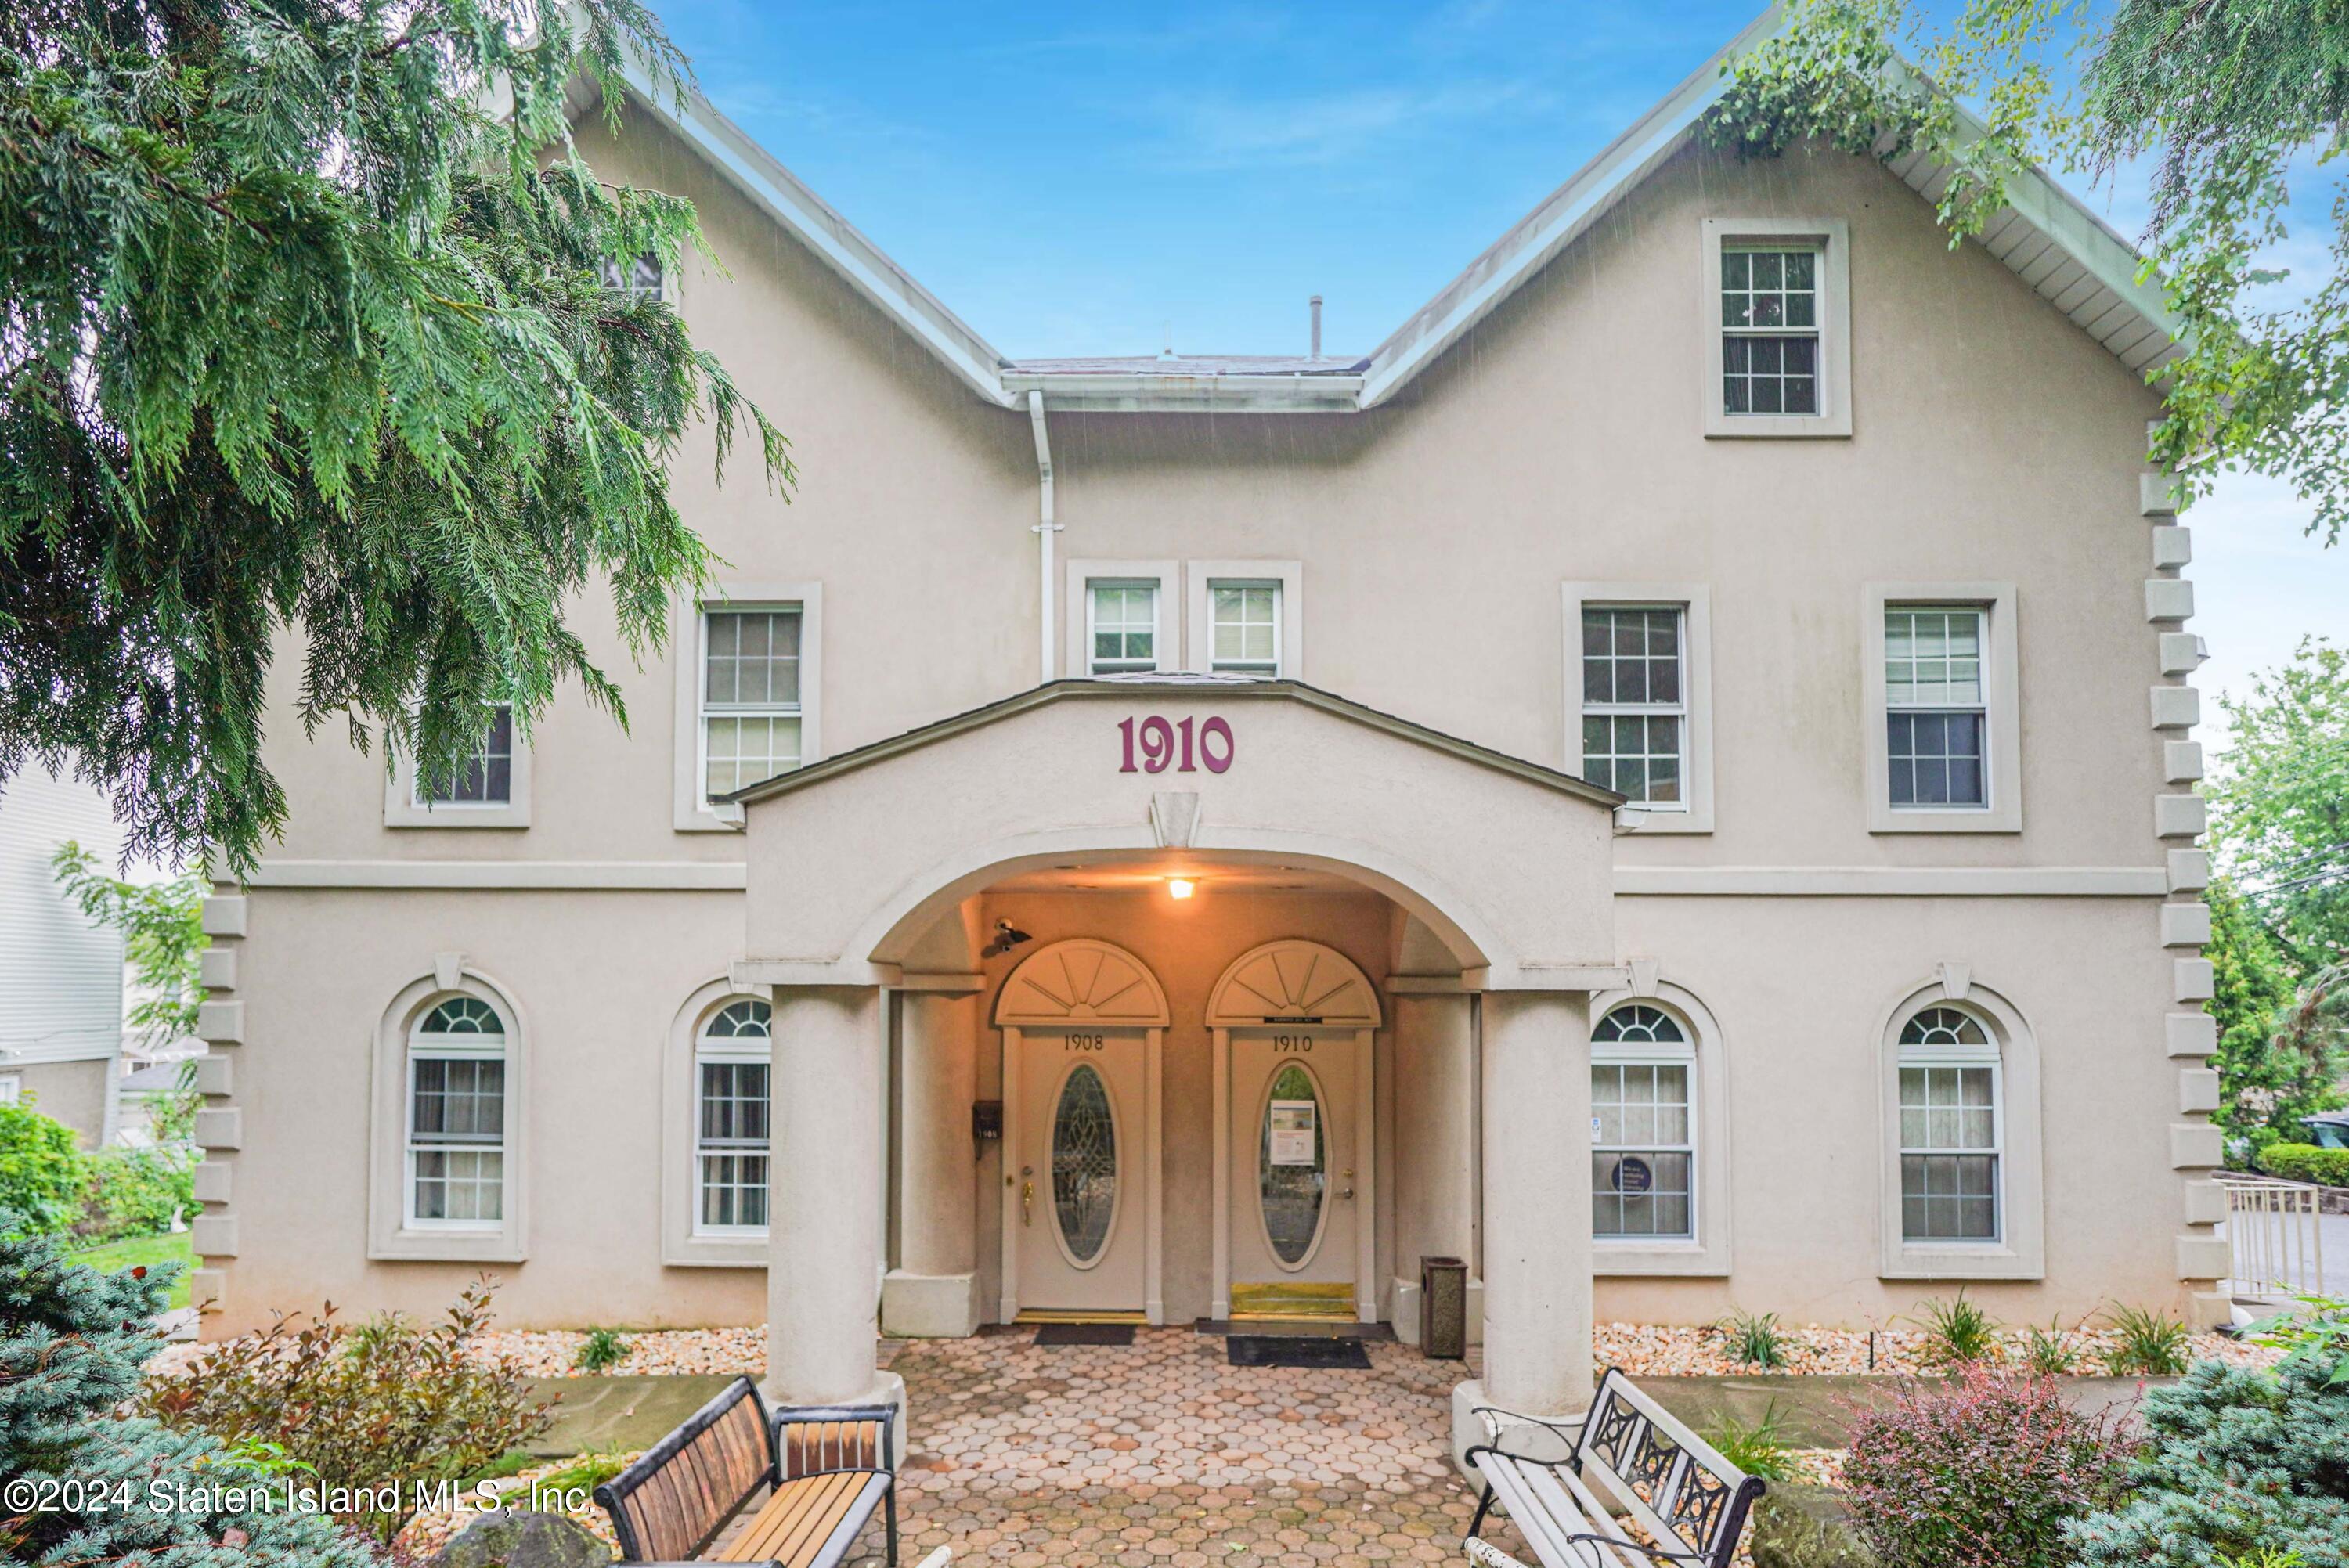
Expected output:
(1289, 1350)
(1051, 1334)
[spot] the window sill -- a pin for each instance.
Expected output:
(718, 1253)
(447, 1247)
(1960, 1263)
(713, 819)
(1897, 820)
(1643, 821)
(1623, 1260)
(1720, 427)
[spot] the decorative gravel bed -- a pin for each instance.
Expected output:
(426, 1534)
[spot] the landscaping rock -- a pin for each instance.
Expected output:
(1797, 1526)
(519, 1539)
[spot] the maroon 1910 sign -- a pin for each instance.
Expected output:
(1160, 746)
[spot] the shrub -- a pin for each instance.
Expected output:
(1982, 1472)
(601, 1350)
(43, 1171)
(2052, 1351)
(2306, 1162)
(1757, 1447)
(2237, 1464)
(1755, 1339)
(390, 1399)
(138, 1192)
(1957, 1333)
(2152, 1343)
(72, 1340)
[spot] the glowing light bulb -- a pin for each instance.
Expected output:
(1181, 887)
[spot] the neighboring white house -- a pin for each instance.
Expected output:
(60, 975)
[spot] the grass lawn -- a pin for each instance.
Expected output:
(116, 1256)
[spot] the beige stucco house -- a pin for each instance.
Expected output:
(1668, 781)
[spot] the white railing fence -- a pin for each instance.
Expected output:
(2275, 1236)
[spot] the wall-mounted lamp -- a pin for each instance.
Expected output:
(1007, 937)
(1181, 887)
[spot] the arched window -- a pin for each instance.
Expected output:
(1642, 1105)
(456, 1143)
(731, 1059)
(1952, 1129)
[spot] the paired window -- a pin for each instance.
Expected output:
(483, 778)
(1121, 626)
(1935, 717)
(1950, 1130)
(1644, 1150)
(1769, 329)
(1243, 627)
(732, 1059)
(1635, 702)
(750, 700)
(456, 1174)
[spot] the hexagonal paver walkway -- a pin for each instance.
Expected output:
(1160, 1455)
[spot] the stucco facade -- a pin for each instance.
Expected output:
(1405, 795)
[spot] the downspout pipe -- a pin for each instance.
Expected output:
(1045, 529)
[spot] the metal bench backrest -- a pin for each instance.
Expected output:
(1675, 1484)
(819, 1439)
(672, 1503)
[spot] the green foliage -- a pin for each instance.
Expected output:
(2236, 1463)
(1757, 1447)
(389, 1401)
(2262, 1091)
(307, 344)
(44, 1174)
(2224, 101)
(72, 1341)
(1957, 1333)
(1754, 1339)
(2306, 1162)
(162, 928)
(602, 1350)
(2151, 1344)
(1984, 1471)
(2279, 802)
(174, 1252)
(138, 1191)
(2316, 1339)
(2052, 1351)
(583, 1474)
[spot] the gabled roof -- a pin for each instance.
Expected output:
(1175, 684)
(2045, 235)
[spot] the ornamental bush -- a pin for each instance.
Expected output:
(2239, 1465)
(2306, 1162)
(1982, 1471)
(43, 1171)
(138, 1192)
(72, 1340)
(382, 1401)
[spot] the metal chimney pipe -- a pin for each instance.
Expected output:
(1317, 325)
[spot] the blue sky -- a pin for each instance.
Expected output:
(1099, 179)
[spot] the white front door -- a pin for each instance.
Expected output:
(1076, 1204)
(1296, 1201)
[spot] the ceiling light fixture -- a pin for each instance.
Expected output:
(1181, 887)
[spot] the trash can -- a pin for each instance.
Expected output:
(1442, 1309)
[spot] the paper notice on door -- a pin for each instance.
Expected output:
(1292, 1131)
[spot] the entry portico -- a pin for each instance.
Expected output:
(872, 879)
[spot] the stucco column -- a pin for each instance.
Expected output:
(1536, 1202)
(933, 1289)
(823, 1228)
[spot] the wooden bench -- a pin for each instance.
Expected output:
(826, 1469)
(1691, 1502)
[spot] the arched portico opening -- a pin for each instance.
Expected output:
(916, 926)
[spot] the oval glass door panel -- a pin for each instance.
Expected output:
(1293, 1165)
(1084, 1165)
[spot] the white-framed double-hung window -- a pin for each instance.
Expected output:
(1120, 626)
(732, 1071)
(1951, 1131)
(1635, 702)
(1936, 720)
(485, 777)
(750, 708)
(1777, 309)
(1244, 629)
(455, 1174)
(1642, 1126)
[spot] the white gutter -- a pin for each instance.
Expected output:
(1045, 529)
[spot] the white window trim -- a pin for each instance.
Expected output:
(1199, 575)
(1961, 1056)
(1695, 601)
(1707, 1254)
(12, 1088)
(2002, 700)
(391, 1235)
(1077, 599)
(687, 623)
(1833, 237)
(2022, 1252)
(401, 808)
(683, 1244)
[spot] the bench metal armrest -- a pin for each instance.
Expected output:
(1567, 1432)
